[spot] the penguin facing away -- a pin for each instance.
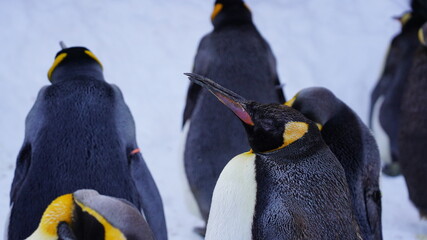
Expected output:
(387, 95)
(236, 54)
(352, 143)
(289, 186)
(79, 134)
(85, 214)
(413, 130)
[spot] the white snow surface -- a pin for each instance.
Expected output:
(146, 45)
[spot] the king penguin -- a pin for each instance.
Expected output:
(79, 134)
(352, 143)
(288, 186)
(386, 97)
(238, 56)
(87, 215)
(413, 128)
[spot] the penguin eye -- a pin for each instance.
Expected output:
(91, 55)
(55, 64)
(218, 7)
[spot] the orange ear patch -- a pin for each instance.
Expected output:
(218, 7)
(55, 64)
(293, 132)
(291, 101)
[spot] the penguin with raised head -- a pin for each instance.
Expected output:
(352, 143)
(386, 97)
(238, 56)
(80, 134)
(288, 186)
(86, 214)
(413, 128)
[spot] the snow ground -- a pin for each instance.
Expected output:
(146, 45)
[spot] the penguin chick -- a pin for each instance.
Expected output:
(289, 186)
(86, 214)
(353, 145)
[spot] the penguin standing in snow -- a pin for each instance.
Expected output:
(413, 128)
(354, 146)
(79, 134)
(289, 186)
(386, 98)
(237, 56)
(85, 214)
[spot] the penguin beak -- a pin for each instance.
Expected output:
(233, 101)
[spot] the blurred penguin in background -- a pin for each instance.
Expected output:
(80, 134)
(412, 140)
(288, 186)
(386, 98)
(238, 57)
(354, 146)
(87, 215)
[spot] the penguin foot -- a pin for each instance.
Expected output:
(392, 169)
(200, 231)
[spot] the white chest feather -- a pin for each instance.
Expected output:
(380, 135)
(233, 201)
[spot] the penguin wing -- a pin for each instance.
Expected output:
(33, 123)
(151, 201)
(390, 65)
(192, 95)
(273, 66)
(201, 67)
(279, 90)
(21, 170)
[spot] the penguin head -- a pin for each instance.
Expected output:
(422, 35)
(269, 127)
(230, 12)
(86, 214)
(404, 18)
(73, 60)
(316, 103)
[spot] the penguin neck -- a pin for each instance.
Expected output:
(77, 71)
(224, 21)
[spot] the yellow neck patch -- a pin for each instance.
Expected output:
(111, 233)
(293, 131)
(60, 210)
(55, 64)
(319, 126)
(291, 101)
(421, 36)
(90, 54)
(218, 7)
